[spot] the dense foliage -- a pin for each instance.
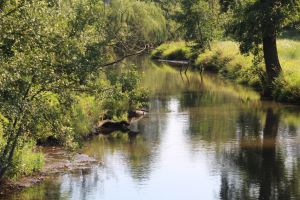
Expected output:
(260, 22)
(199, 20)
(52, 54)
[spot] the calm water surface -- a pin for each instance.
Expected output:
(204, 138)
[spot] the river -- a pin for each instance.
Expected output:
(204, 138)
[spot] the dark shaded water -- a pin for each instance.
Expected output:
(204, 138)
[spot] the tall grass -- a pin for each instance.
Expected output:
(25, 161)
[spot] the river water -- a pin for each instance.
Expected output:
(204, 138)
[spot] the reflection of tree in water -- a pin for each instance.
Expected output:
(261, 162)
(142, 151)
(212, 124)
(137, 154)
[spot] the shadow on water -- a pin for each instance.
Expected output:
(204, 138)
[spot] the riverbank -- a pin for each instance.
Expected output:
(225, 59)
(57, 161)
(118, 91)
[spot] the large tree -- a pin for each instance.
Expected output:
(51, 51)
(260, 22)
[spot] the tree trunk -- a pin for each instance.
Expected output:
(8, 153)
(272, 63)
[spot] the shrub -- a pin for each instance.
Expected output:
(287, 88)
(172, 51)
(86, 113)
(25, 161)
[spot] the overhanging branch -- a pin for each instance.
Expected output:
(126, 56)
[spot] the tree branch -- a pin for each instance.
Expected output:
(126, 56)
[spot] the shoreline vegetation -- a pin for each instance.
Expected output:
(62, 72)
(225, 59)
(55, 159)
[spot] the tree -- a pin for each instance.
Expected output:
(199, 22)
(259, 22)
(51, 51)
(170, 9)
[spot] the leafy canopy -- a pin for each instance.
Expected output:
(251, 19)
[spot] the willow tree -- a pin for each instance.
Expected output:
(170, 9)
(51, 51)
(260, 22)
(199, 20)
(135, 24)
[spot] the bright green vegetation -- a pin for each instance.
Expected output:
(172, 51)
(26, 161)
(256, 25)
(226, 59)
(57, 75)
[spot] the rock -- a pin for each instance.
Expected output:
(108, 126)
(137, 113)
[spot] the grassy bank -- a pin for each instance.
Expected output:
(224, 58)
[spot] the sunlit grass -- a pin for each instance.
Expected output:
(172, 51)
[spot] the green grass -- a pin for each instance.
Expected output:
(172, 51)
(25, 162)
(224, 58)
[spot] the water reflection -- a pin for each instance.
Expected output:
(263, 167)
(204, 138)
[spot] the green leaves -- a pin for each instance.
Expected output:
(200, 22)
(127, 94)
(251, 20)
(51, 52)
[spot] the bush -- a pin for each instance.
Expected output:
(127, 94)
(172, 51)
(287, 88)
(25, 161)
(86, 113)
